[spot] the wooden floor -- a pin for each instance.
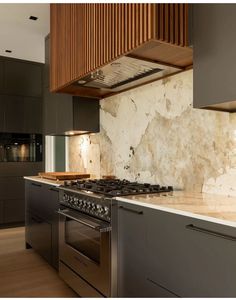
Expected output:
(23, 273)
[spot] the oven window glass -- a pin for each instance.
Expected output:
(83, 238)
(20, 147)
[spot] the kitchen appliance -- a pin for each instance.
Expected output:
(124, 73)
(85, 239)
(20, 147)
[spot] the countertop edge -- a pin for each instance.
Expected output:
(42, 180)
(179, 212)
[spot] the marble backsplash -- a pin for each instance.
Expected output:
(152, 134)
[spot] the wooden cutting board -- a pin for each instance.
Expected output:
(63, 175)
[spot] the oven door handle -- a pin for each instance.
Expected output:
(65, 213)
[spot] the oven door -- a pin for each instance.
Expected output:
(84, 245)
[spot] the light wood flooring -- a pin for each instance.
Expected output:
(23, 273)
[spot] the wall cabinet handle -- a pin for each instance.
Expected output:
(139, 212)
(36, 184)
(211, 232)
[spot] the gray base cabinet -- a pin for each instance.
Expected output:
(162, 254)
(42, 203)
(131, 250)
(190, 257)
(12, 187)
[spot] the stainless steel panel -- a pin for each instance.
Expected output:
(97, 274)
(81, 287)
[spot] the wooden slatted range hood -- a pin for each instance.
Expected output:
(87, 39)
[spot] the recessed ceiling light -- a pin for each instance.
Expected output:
(8, 51)
(33, 18)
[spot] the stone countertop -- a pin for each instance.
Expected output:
(214, 208)
(46, 181)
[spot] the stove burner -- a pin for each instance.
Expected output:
(117, 187)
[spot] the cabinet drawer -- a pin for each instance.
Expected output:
(191, 257)
(38, 235)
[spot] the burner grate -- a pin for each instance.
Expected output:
(116, 187)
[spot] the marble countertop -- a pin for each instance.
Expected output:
(43, 180)
(214, 208)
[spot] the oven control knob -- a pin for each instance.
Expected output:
(106, 210)
(98, 208)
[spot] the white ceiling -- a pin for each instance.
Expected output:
(23, 36)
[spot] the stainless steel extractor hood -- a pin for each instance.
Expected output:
(124, 73)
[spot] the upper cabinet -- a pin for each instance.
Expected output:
(91, 42)
(65, 114)
(20, 96)
(214, 69)
(23, 78)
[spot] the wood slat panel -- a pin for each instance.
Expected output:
(87, 36)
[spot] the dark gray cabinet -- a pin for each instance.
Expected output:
(12, 196)
(214, 67)
(23, 78)
(162, 254)
(132, 250)
(14, 114)
(191, 257)
(33, 115)
(1, 76)
(42, 204)
(20, 96)
(2, 114)
(20, 114)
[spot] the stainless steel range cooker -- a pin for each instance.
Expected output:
(85, 232)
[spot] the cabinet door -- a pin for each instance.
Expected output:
(32, 115)
(190, 257)
(214, 51)
(11, 187)
(38, 235)
(53, 200)
(23, 78)
(46, 65)
(58, 114)
(14, 210)
(1, 76)
(49, 113)
(132, 251)
(14, 114)
(1, 211)
(2, 113)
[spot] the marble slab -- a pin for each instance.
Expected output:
(214, 208)
(43, 180)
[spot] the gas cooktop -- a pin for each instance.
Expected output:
(116, 187)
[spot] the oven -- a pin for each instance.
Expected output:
(84, 251)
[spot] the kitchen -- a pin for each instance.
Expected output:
(118, 151)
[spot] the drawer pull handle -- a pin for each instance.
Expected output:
(36, 184)
(211, 232)
(139, 212)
